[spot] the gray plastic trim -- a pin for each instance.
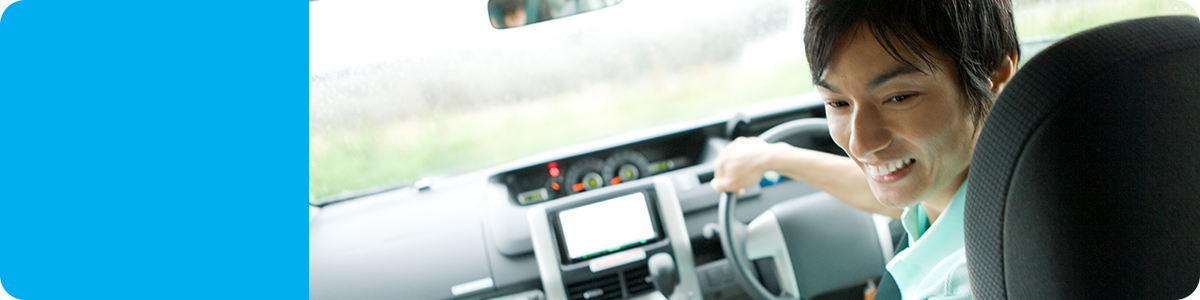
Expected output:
(472, 286)
(832, 244)
(764, 238)
(526, 295)
(672, 219)
(510, 232)
(546, 253)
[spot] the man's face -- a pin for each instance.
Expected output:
(907, 129)
(515, 18)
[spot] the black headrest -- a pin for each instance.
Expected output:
(1085, 182)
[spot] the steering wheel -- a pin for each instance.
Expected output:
(733, 232)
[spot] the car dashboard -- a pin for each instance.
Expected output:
(469, 236)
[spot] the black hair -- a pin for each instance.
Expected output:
(977, 35)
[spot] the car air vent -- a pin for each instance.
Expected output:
(607, 287)
(637, 280)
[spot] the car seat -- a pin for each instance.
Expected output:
(1085, 182)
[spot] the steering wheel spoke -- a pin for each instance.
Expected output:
(733, 242)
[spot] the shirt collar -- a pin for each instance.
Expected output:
(944, 235)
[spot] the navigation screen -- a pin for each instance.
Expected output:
(607, 226)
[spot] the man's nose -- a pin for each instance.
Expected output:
(868, 134)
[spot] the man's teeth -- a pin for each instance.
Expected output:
(890, 167)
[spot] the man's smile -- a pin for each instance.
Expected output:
(889, 171)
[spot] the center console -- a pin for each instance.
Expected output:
(622, 242)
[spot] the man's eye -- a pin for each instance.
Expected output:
(900, 98)
(836, 103)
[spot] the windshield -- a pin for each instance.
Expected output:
(403, 91)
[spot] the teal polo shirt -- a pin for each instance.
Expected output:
(935, 264)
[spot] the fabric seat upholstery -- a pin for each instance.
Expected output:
(1085, 183)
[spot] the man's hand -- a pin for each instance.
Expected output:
(744, 161)
(742, 164)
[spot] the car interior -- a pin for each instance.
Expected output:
(1083, 185)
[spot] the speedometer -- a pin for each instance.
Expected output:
(584, 175)
(624, 166)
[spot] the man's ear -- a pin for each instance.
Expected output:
(1003, 73)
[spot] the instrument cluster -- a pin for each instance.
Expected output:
(587, 172)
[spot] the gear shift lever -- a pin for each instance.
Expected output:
(663, 274)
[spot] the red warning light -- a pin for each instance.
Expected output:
(554, 169)
(616, 180)
(577, 187)
(554, 185)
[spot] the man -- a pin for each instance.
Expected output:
(907, 86)
(517, 13)
(507, 13)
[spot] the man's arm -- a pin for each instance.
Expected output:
(743, 162)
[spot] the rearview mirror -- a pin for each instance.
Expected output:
(517, 13)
